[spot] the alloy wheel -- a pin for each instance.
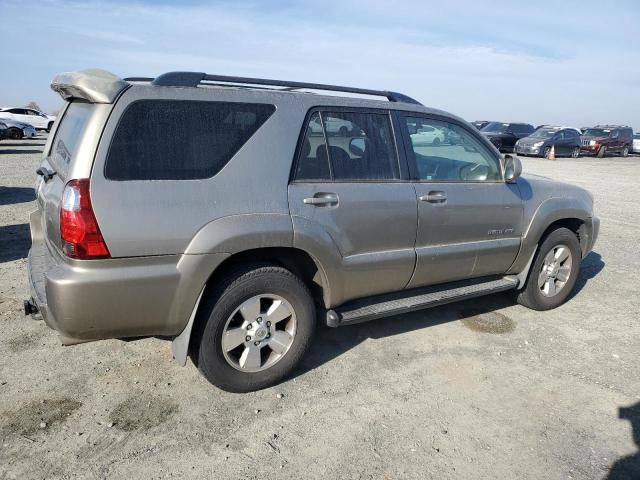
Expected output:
(259, 333)
(555, 271)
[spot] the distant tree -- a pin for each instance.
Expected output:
(34, 106)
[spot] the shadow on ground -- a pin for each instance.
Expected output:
(628, 468)
(15, 241)
(478, 314)
(591, 266)
(11, 195)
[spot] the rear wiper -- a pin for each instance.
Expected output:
(45, 173)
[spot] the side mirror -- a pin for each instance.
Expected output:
(512, 168)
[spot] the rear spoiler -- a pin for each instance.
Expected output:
(95, 86)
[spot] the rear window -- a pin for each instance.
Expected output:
(180, 140)
(68, 135)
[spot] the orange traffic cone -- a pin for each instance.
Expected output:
(552, 153)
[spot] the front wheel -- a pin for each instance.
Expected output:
(15, 133)
(258, 326)
(575, 153)
(547, 152)
(49, 127)
(554, 271)
(602, 151)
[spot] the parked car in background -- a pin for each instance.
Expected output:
(636, 143)
(39, 120)
(603, 139)
(566, 141)
(347, 229)
(480, 123)
(4, 130)
(505, 135)
(18, 130)
(427, 135)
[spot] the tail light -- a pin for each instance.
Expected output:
(79, 231)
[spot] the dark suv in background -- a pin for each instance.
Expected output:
(565, 141)
(505, 135)
(603, 139)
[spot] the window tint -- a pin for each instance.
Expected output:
(449, 153)
(180, 140)
(348, 146)
(311, 165)
(366, 152)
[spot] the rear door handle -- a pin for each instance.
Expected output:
(434, 197)
(322, 199)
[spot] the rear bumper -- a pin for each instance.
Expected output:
(115, 298)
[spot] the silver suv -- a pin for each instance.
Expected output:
(223, 213)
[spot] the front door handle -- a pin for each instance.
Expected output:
(322, 199)
(434, 197)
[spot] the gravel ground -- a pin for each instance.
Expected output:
(480, 389)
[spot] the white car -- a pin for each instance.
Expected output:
(427, 135)
(635, 148)
(39, 120)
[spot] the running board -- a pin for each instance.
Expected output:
(396, 303)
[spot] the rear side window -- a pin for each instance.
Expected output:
(348, 146)
(68, 135)
(180, 140)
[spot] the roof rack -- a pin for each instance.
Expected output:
(193, 79)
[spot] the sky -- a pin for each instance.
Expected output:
(553, 62)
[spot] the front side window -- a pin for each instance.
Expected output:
(451, 154)
(179, 139)
(348, 146)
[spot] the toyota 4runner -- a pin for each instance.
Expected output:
(223, 213)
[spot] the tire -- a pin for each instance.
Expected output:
(602, 152)
(49, 126)
(222, 365)
(546, 152)
(575, 153)
(542, 297)
(436, 142)
(625, 152)
(15, 134)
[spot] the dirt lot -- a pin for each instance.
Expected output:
(482, 389)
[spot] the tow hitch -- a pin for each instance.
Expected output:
(30, 307)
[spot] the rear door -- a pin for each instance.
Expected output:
(349, 191)
(469, 220)
(68, 154)
(36, 119)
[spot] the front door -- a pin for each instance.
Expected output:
(350, 207)
(469, 219)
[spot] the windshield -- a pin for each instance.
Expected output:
(543, 133)
(596, 132)
(495, 127)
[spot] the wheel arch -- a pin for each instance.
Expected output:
(298, 261)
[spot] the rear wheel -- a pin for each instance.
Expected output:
(625, 152)
(554, 271)
(258, 326)
(15, 133)
(602, 151)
